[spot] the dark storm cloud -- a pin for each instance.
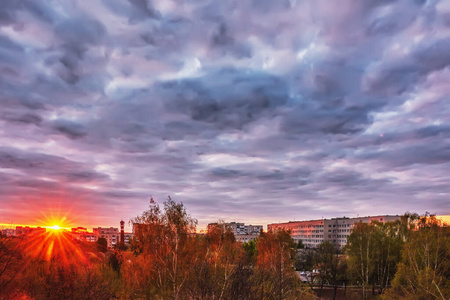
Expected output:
(211, 100)
(55, 167)
(143, 9)
(417, 154)
(70, 129)
(27, 118)
(396, 76)
(258, 111)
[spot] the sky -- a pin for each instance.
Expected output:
(252, 111)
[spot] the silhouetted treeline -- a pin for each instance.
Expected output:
(166, 260)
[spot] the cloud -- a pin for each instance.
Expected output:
(255, 111)
(70, 129)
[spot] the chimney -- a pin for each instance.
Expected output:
(122, 232)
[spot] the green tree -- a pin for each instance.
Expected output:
(389, 241)
(424, 272)
(328, 261)
(250, 249)
(360, 249)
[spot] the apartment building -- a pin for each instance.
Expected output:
(8, 232)
(20, 230)
(82, 234)
(111, 235)
(336, 230)
(244, 238)
(85, 236)
(239, 228)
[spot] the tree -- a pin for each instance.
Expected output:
(360, 247)
(424, 270)
(222, 270)
(250, 249)
(55, 279)
(275, 267)
(328, 260)
(102, 244)
(388, 242)
(11, 264)
(163, 238)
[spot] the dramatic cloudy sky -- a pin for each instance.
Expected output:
(257, 111)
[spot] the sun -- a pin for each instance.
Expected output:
(56, 227)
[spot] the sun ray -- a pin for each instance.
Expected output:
(55, 242)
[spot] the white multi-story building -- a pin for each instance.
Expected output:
(336, 230)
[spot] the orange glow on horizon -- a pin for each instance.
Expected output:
(445, 218)
(58, 245)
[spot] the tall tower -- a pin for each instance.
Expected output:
(122, 232)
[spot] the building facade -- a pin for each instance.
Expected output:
(336, 230)
(111, 235)
(239, 228)
(245, 238)
(8, 232)
(20, 230)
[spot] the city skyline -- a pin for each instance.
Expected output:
(253, 111)
(128, 228)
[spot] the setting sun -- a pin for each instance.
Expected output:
(55, 227)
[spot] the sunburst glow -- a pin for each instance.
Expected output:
(56, 227)
(55, 242)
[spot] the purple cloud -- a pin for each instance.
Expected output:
(255, 111)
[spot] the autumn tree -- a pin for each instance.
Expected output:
(222, 269)
(163, 239)
(275, 270)
(56, 280)
(225, 254)
(11, 264)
